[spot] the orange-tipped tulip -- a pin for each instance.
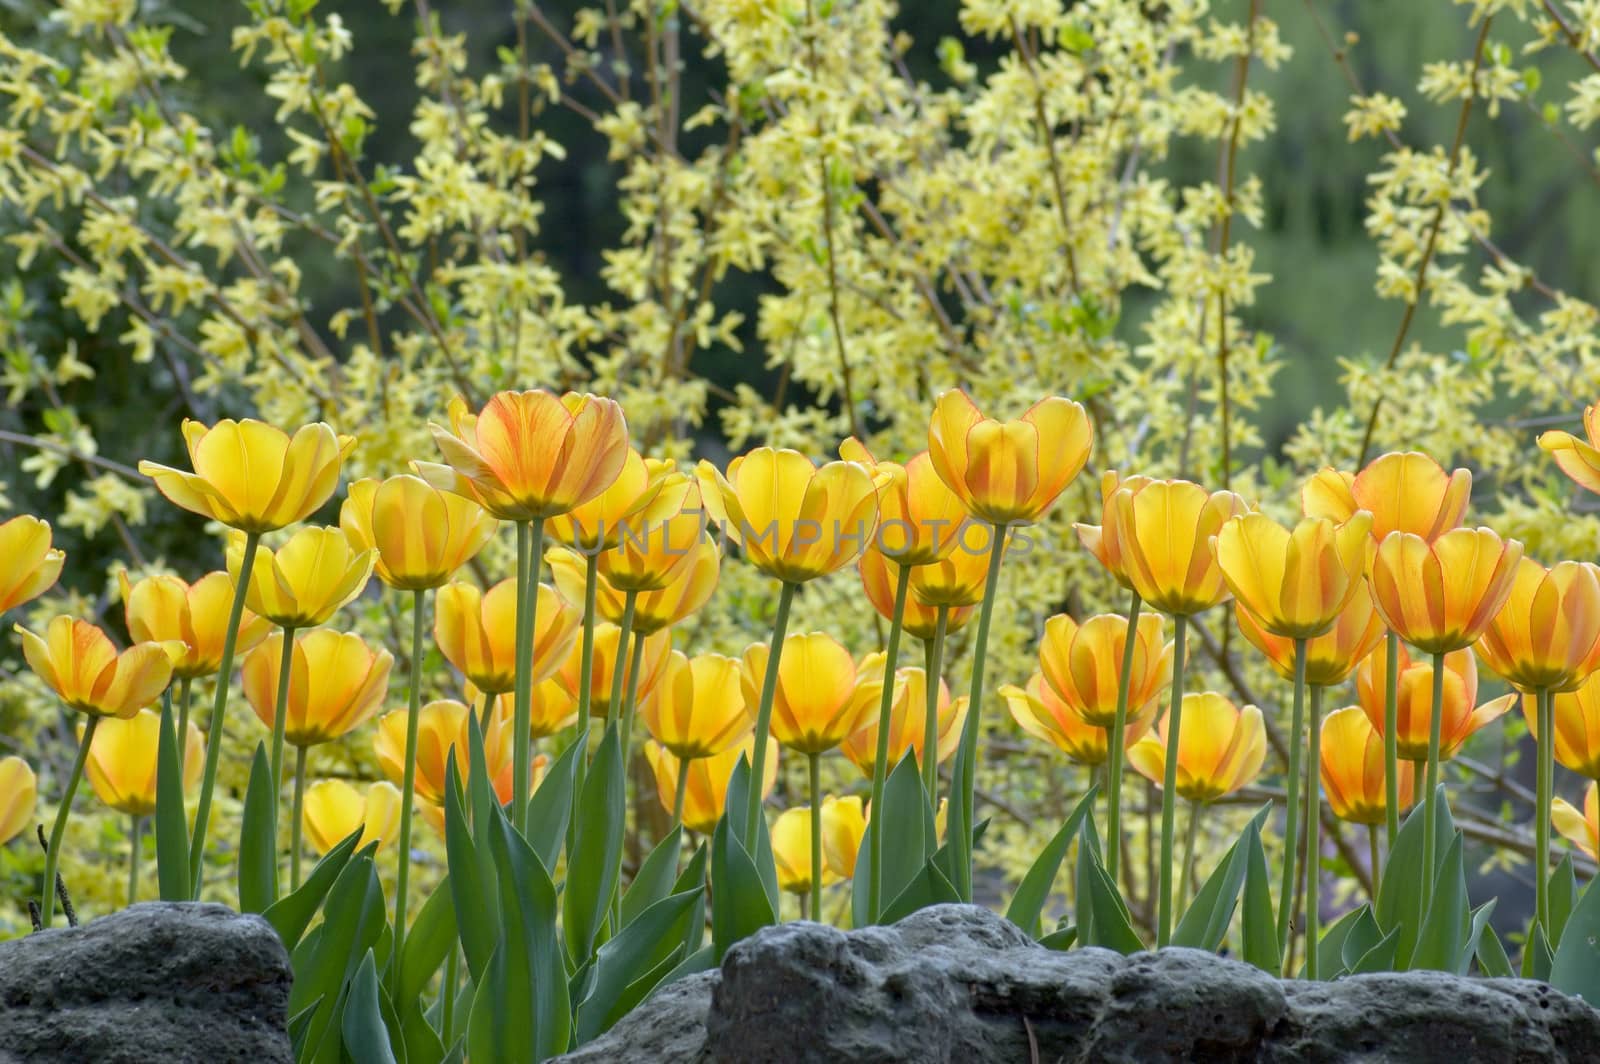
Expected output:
(253, 476)
(529, 456)
(122, 761)
(1161, 531)
(919, 517)
(31, 566)
(336, 682)
(1294, 581)
(793, 520)
(1042, 714)
(791, 851)
(1330, 657)
(164, 609)
(1414, 701)
(1101, 540)
(1577, 458)
(652, 666)
(1547, 635)
(652, 610)
(1577, 721)
(1222, 748)
(421, 535)
(657, 553)
(476, 632)
(1082, 664)
(1352, 768)
(919, 619)
(19, 792)
(908, 718)
(334, 810)
(706, 793)
(1440, 596)
(1581, 827)
(697, 709)
(81, 665)
(442, 726)
(641, 496)
(821, 697)
(1404, 492)
(1008, 472)
(304, 582)
(843, 824)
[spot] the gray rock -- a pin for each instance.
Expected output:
(154, 982)
(958, 983)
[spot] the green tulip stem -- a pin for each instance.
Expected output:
(1391, 739)
(961, 804)
(1313, 832)
(297, 817)
(1429, 842)
(682, 790)
(635, 666)
(1116, 738)
(280, 725)
(933, 666)
(530, 547)
(880, 763)
(183, 719)
(1372, 858)
(408, 784)
(219, 708)
(591, 583)
(52, 856)
(614, 702)
(1169, 782)
(814, 773)
(769, 688)
(1544, 702)
(1291, 824)
(135, 844)
(1188, 851)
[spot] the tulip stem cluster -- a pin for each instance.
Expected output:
(1544, 702)
(769, 688)
(967, 757)
(280, 713)
(933, 662)
(408, 786)
(1391, 739)
(880, 763)
(1116, 739)
(814, 775)
(1313, 834)
(52, 854)
(1291, 828)
(1169, 785)
(1431, 797)
(530, 540)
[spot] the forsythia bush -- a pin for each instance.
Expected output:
(932, 251)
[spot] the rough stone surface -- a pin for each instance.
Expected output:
(154, 982)
(958, 983)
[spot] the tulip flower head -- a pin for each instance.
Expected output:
(19, 792)
(1580, 827)
(652, 666)
(1577, 726)
(81, 665)
(1107, 548)
(476, 632)
(306, 581)
(698, 707)
(1352, 768)
(1330, 657)
(907, 719)
(443, 731)
(843, 824)
(656, 553)
(919, 618)
(31, 565)
(791, 851)
(1547, 635)
(652, 610)
(1045, 715)
(1221, 748)
(334, 810)
(1440, 596)
(420, 535)
(336, 682)
(821, 698)
(706, 793)
(122, 761)
(164, 609)
(1161, 532)
(1294, 581)
(253, 476)
(1578, 459)
(646, 491)
(551, 707)
(1008, 472)
(919, 517)
(1083, 663)
(1404, 492)
(1414, 701)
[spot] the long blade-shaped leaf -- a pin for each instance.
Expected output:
(258, 839)
(1028, 902)
(172, 822)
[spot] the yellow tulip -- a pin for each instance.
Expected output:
(1101, 540)
(31, 565)
(793, 520)
(442, 726)
(1547, 635)
(843, 824)
(791, 851)
(529, 456)
(164, 609)
(706, 791)
(1578, 459)
(659, 549)
(1221, 748)
(908, 719)
(821, 697)
(1330, 657)
(1352, 768)
(1295, 582)
(122, 761)
(552, 708)
(336, 682)
(657, 649)
(1161, 532)
(334, 810)
(304, 582)
(919, 517)
(1582, 829)
(19, 791)
(652, 610)
(1082, 664)
(1440, 596)
(421, 535)
(81, 665)
(918, 618)
(1404, 492)
(1040, 712)
(698, 708)
(253, 476)
(476, 632)
(643, 494)
(1414, 701)
(1577, 727)
(1008, 472)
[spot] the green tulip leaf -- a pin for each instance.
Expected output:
(173, 873)
(1061, 939)
(292, 914)
(1444, 931)
(1331, 947)
(366, 1035)
(910, 838)
(1537, 957)
(1492, 959)
(1028, 902)
(741, 903)
(1257, 925)
(1476, 927)
(931, 887)
(471, 881)
(655, 877)
(692, 876)
(593, 865)
(1400, 892)
(1575, 966)
(652, 943)
(550, 808)
(430, 939)
(1563, 895)
(258, 839)
(1380, 958)
(1206, 922)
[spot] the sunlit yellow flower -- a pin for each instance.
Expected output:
(532, 455)
(81, 665)
(1008, 472)
(918, 619)
(477, 632)
(1352, 768)
(908, 719)
(336, 682)
(31, 565)
(1577, 720)
(843, 823)
(636, 500)
(1042, 714)
(304, 582)
(1330, 657)
(334, 810)
(551, 707)
(421, 535)
(1414, 701)
(19, 791)
(1547, 635)
(253, 476)
(1162, 531)
(1295, 582)
(791, 851)
(659, 549)
(1083, 663)
(697, 709)
(1582, 829)
(821, 698)
(164, 609)
(919, 517)
(442, 726)
(1404, 492)
(652, 610)
(1578, 459)
(1101, 540)
(707, 790)
(652, 666)
(122, 761)
(1222, 748)
(1440, 596)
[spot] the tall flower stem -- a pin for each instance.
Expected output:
(135, 844)
(591, 582)
(624, 638)
(1313, 833)
(769, 688)
(933, 660)
(682, 791)
(1544, 702)
(1115, 742)
(880, 764)
(408, 784)
(1188, 852)
(1372, 857)
(635, 666)
(814, 773)
(1391, 738)
(1169, 782)
(296, 817)
(530, 545)
(280, 715)
(1291, 813)
(1429, 842)
(219, 708)
(961, 827)
(183, 719)
(52, 856)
